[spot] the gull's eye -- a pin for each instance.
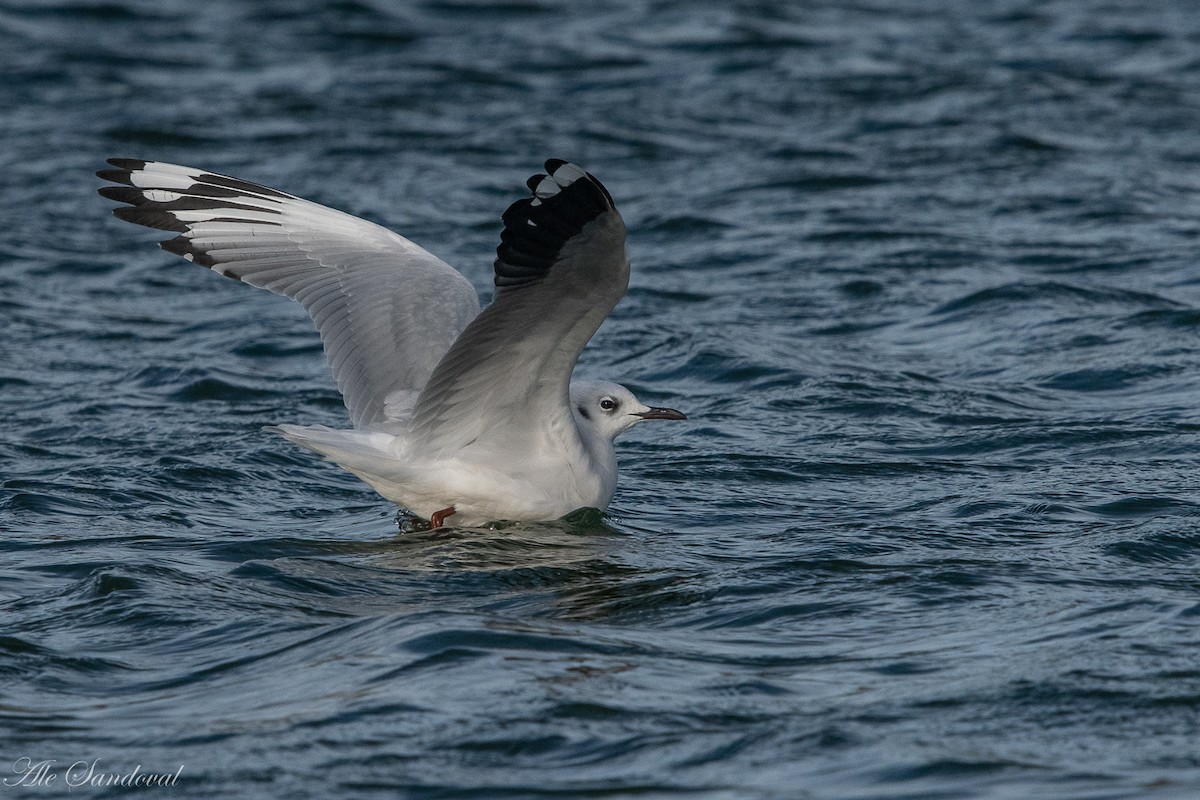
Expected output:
(608, 404)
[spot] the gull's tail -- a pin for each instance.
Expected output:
(368, 454)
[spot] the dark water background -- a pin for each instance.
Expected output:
(924, 274)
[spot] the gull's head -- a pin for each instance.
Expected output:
(609, 409)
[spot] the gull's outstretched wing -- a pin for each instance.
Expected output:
(560, 268)
(387, 310)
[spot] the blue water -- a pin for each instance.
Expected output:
(923, 275)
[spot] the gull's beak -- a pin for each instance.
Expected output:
(661, 413)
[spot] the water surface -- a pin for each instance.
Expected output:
(923, 275)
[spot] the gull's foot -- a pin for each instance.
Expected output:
(407, 522)
(439, 517)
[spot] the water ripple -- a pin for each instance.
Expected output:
(923, 279)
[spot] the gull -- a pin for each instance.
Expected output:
(455, 411)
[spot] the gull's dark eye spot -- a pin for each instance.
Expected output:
(608, 404)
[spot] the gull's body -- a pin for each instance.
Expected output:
(455, 411)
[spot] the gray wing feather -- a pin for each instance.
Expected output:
(561, 268)
(387, 310)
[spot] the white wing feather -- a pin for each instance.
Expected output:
(387, 310)
(561, 267)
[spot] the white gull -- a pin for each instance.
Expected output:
(456, 411)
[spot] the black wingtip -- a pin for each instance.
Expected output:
(536, 228)
(124, 166)
(127, 164)
(115, 176)
(123, 169)
(554, 164)
(122, 194)
(182, 246)
(150, 217)
(208, 192)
